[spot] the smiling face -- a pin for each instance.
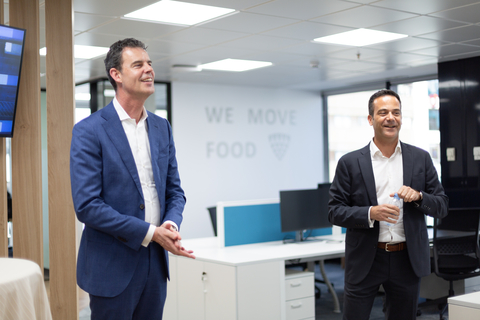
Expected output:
(386, 119)
(135, 79)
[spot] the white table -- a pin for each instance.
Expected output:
(244, 282)
(22, 291)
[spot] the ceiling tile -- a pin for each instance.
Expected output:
(407, 44)
(306, 30)
(455, 35)
(302, 9)
(467, 14)
(423, 6)
(124, 28)
(313, 49)
(110, 8)
(364, 17)
(418, 25)
(203, 36)
(256, 23)
(85, 22)
(447, 50)
(232, 4)
(262, 43)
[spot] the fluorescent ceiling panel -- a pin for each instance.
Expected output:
(83, 52)
(235, 65)
(179, 13)
(360, 37)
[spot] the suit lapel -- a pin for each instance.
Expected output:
(366, 169)
(114, 129)
(407, 159)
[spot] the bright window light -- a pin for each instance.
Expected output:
(360, 37)
(235, 65)
(83, 52)
(82, 96)
(181, 13)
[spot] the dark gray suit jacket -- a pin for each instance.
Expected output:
(353, 192)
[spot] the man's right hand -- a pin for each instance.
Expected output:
(385, 212)
(170, 240)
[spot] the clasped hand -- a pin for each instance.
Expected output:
(170, 240)
(389, 212)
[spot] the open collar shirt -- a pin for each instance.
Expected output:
(388, 174)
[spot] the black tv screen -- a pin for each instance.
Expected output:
(304, 209)
(12, 42)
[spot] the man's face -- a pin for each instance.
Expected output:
(387, 119)
(137, 75)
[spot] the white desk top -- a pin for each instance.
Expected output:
(22, 291)
(208, 249)
(471, 300)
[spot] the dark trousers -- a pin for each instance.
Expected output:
(144, 297)
(392, 270)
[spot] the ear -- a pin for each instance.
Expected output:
(370, 120)
(116, 75)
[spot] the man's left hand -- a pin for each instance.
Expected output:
(408, 194)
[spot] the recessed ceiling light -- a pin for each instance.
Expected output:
(83, 52)
(180, 13)
(235, 65)
(360, 37)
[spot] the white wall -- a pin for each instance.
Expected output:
(242, 143)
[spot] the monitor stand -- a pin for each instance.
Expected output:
(300, 238)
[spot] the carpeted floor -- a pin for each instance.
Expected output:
(335, 273)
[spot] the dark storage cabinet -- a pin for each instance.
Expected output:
(459, 91)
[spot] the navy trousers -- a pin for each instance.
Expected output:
(144, 297)
(394, 271)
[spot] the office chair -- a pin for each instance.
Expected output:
(456, 256)
(212, 211)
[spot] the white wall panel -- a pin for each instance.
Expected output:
(242, 143)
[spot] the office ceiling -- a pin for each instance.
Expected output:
(280, 31)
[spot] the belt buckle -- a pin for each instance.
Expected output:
(386, 247)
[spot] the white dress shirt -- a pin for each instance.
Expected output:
(388, 174)
(137, 135)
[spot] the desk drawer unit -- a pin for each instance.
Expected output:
(299, 295)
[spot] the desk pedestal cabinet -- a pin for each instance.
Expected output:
(203, 290)
(464, 307)
(299, 295)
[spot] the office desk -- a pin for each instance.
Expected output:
(464, 307)
(244, 282)
(22, 291)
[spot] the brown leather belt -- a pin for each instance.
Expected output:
(392, 247)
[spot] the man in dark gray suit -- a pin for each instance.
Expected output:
(385, 245)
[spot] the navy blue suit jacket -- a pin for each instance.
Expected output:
(353, 192)
(108, 197)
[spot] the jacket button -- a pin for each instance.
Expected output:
(142, 206)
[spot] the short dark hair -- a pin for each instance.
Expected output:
(114, 56)
(381, 93)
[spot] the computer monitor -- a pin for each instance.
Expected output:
(302, 210)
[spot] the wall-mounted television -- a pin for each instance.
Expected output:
(12, 42)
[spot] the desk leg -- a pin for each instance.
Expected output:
(336, 303)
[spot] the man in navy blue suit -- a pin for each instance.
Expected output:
(126, 190)
(385, 245)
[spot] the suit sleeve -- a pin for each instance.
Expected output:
(435, 201)
(346, 209)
